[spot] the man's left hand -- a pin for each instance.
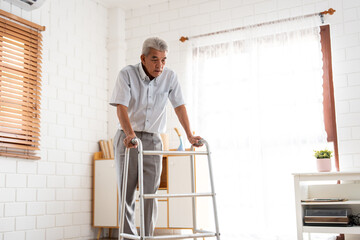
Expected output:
(194, 140)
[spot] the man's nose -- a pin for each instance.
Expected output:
(159, 64)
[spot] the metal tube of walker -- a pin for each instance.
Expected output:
(141, 186)
(192, 163)
(123, 192)
(213, 191)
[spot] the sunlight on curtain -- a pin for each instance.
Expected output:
(258, 101)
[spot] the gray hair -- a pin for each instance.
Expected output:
(156, 43)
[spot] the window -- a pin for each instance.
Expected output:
(20, 86)
(268, 105)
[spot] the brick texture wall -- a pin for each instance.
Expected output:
(176, 18)
(51, 198)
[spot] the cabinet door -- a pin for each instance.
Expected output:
(204, 206)
(180, 209)
(161, 222)
(105, 194)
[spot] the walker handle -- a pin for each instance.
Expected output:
(133, 141)
(200, 142)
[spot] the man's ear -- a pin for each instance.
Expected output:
(142, 57)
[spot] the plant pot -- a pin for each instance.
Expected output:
(323, 164)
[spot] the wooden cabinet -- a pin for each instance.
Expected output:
(324, 186)
(180, 209)
(105, 194)
(162, 220)
(172, 213)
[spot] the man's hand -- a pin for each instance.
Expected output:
(194, 140)
(127, 141)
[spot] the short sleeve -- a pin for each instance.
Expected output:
(121, 93)
(175, 95)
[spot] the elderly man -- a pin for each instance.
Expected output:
(140, 95)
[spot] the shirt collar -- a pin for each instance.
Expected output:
(143, 75)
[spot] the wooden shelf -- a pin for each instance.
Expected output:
(343, 230)
(311, 185)
(348, 202)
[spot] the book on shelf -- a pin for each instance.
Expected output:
(106, 148)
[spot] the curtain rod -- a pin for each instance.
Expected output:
(321, 14)
(21, 20)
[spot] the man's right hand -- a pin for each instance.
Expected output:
(127, 141)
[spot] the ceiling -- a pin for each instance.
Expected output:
(129, 4)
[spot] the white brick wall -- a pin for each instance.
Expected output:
(43, 199)
(51, 198)
(177, 18)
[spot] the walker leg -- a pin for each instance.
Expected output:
(141, 188)
(192, 163)
(123, 192)
(213, 192)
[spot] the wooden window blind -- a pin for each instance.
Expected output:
(20, 86)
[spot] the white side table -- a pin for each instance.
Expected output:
(324, 185)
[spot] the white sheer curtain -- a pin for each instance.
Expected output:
(258, 101)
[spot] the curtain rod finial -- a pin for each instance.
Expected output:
(331, 11)
(183, 39)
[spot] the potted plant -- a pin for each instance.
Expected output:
(323, 160)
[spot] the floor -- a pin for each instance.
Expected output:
(158, 232)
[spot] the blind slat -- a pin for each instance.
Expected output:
(25, 51)
(27, 57)
(19, 64)
(20, 122)
(25, 90)
(14, 155)
(21, 94)
(21, 71)
(19, 112)
(21, 58)
(18, 141)
(9, 103)
(11, 78)
(15, 135)
(7, 32)
(20, 29)
(20, 103)
(24, 118)
(22, 98)
(20, 46)
(19, 75)
(20, 132)
(17, 146)
(20, 127)
(31, 37)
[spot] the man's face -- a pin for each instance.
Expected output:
(154, 62)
